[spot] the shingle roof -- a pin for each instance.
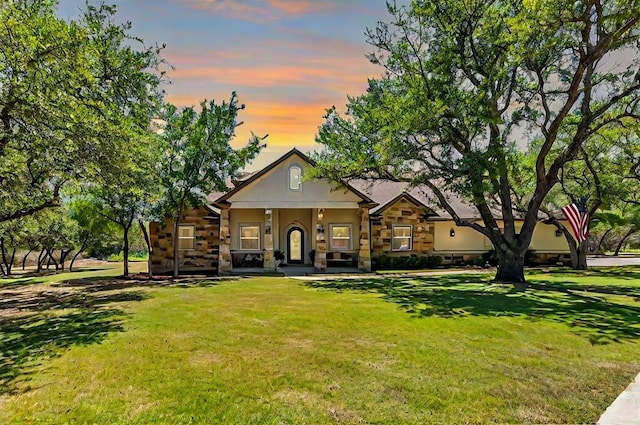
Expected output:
(384, 192)
(377, 192)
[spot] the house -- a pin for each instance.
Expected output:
(273, 213)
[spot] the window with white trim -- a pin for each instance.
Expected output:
(295, 178)
(186, 237)
(249, 237)
(340, 237)
(402, 238)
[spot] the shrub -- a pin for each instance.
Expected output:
(412, 262)
(383, 262)
(133, 256)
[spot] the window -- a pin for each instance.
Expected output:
(186, 237)
(340, 236)
(249, 237)
(402, 238)
(295, 178)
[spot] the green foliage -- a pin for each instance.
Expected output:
(133, 256)
(72, 95)
(198, 158)
(96, 234)
(411, 262)
(463, 91)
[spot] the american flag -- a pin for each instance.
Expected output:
(579, 219)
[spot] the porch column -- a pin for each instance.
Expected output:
(269, 261)
(320, 261)
(224, 255)
(364, 255)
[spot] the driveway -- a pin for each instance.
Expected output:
(614, 261)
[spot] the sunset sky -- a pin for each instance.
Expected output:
(288, 60)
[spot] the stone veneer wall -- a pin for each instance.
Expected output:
(204, 257)
(401, 212)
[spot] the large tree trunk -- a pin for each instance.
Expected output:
(147, 240)
(125, 250)
(7, 264)
(573, 252)
(623, 240)
(582, 256)
(176, 266)
(13, 257)
(510, 266)
(578, 254)
(82, 247)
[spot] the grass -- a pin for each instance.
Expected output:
(134, 256)
(436, 349)
(50, 276)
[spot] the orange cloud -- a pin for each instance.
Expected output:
(272, 76)
(287, 123)
(261, 9)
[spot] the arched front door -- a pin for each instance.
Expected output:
(295, 246)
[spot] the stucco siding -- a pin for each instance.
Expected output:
(238, 217)
(288, 218)
(545, 239)
(465, 240)
(468, 240)
(341, 216)
(272, 191)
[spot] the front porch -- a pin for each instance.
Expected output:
(295, 239)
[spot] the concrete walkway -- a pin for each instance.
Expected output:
(623, 260)
(625, 410)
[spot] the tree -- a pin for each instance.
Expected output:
(466, 84)
(593, 177)
(123, 193)
(198, 157)
(66, 88)
(55, 231)
(94, 231)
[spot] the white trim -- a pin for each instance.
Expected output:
(185, 238)
(240, 238)
(393, 236)
(307, 239)
(350, 238)
(299, 182)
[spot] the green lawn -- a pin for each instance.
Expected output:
(21, 278)
(437, 349)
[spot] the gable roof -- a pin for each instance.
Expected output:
(384, 192)
(253, 177)
(380, 208)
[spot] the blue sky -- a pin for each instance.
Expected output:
(288, 60)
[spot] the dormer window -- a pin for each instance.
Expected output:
(295, 178)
